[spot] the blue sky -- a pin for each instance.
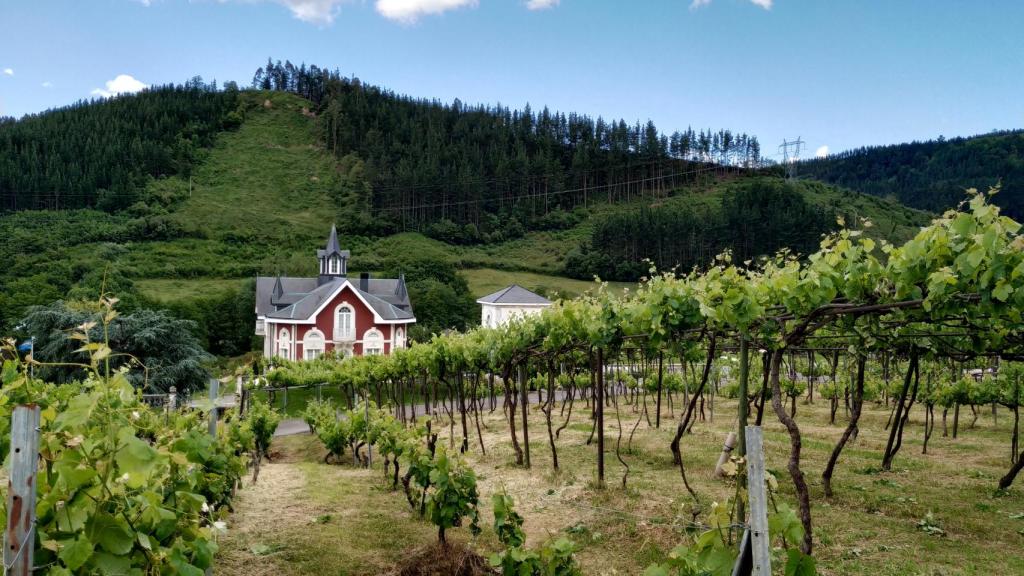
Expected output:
(838, 73)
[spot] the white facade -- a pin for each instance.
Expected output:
(495, 315)
(507, 304)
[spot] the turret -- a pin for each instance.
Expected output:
(332, 259)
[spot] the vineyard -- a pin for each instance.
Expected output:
(601, 395)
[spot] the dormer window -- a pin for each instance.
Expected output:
(334, 266)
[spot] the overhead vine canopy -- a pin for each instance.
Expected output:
(956, 289)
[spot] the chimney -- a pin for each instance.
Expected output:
(364, 281)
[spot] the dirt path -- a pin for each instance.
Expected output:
(267, 513)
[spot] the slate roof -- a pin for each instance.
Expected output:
(302, 297)
(332, 246)
(515, 294)
(281, 297)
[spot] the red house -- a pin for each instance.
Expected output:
(301, 318)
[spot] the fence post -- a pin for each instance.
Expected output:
(759, 538)
(214, 392)
(20, 535)
(172, 398)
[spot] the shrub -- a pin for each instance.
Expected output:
(453, 496)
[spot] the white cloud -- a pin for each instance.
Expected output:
(821, 152)
(47, 84)
(541, 4)
(320, 12)
(766, 4)
(9, 71)
(123, 84)
(408, 11)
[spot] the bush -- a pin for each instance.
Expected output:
(553, 559)
(263, 421)
(453, 496)
(125, 489)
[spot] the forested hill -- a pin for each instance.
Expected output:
(101, 153)
(932, 175)
(479, 165)
(248, 181)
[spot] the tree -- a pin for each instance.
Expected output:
(157, 350)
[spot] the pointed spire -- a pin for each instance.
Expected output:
(278, 288)
(332, 242)
(400, 290)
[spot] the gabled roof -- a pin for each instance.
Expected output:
(383, 308)
(293, 290)
(305, 306)
(515, 294)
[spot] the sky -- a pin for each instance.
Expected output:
(837, 73)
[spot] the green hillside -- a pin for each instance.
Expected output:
(261, 199)
(932, 175)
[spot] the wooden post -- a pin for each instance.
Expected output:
(20, 536)
(759, 538)
(214, 392)
(742, 393)
(743, 383)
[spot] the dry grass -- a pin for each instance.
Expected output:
(869, 528)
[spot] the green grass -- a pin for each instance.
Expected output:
(483, 281)
(869, 528)
(178, 289)
(269, 178)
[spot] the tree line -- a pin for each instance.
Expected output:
(754, 218)
(100, 153)
(932, 175)
(428, 160)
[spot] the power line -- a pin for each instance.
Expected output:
(559, 192)
(790, 160)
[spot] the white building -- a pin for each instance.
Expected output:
(508, 303)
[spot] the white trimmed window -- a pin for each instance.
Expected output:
(399, 338)
(313, 345)
(334, 265)
(344, 320)
(284, 343)
(373, 343)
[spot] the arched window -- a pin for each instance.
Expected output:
(399, 338)
(343, 323)
(284, 343)
(313, 344)
(373, 343)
